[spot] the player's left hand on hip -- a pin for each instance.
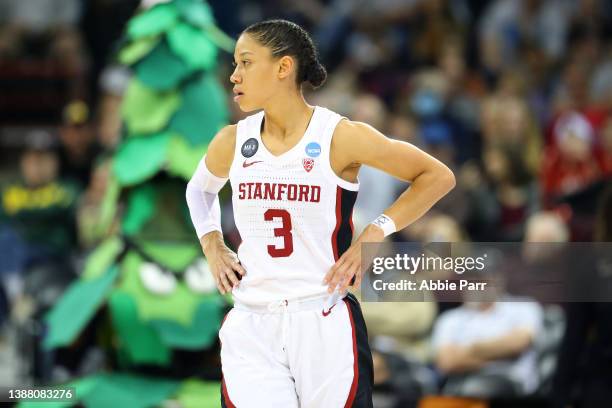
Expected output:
(349, 266)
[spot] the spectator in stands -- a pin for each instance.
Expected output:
(503, 197)
(39, 207)
(569, 164)
(488, 341)
(506, 121)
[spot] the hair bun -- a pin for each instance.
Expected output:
(317, 75)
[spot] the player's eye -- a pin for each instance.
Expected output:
(234, 64)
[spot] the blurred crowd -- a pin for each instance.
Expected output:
(515, 96)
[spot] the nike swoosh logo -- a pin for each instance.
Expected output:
(325, 314)
(245, 164)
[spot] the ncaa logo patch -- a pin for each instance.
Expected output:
(308, 164)
(313, 149)
(249, 148)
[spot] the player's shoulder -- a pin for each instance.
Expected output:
(353, 136)
(222, 146)
(348, 128)
(227, 132)
(226, 135)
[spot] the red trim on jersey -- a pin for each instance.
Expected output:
(226, 399)
(352, 234)
(338, 222)
(224, 317)
(353, 392)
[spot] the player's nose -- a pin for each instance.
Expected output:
(235, 78)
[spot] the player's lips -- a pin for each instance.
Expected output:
(237, 94)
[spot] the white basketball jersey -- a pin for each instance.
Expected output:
(292, 211)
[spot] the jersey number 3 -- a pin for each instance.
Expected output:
(284, 231)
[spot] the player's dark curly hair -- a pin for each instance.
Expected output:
(283, 37)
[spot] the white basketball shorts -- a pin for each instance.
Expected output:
(296, 354)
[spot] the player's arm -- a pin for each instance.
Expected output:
(203, 201)
(356, 143)
(430, 179)
(208, 179)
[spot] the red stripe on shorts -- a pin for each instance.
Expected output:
(226, 399)
(353, 392)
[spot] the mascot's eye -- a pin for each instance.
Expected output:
(156, 280)
(198, 277)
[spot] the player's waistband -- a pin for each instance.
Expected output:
(324, 302)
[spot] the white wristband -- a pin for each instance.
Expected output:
(385, 223)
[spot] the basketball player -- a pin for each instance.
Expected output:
(294, 337)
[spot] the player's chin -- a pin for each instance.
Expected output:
(242, 105)
(246, 107)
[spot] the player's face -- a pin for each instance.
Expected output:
(253, 77)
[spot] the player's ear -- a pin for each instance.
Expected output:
(286, 65)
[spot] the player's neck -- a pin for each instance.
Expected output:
(288, 118)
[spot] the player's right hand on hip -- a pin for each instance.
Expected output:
(222, 261)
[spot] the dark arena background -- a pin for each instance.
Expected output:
(107, 106)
